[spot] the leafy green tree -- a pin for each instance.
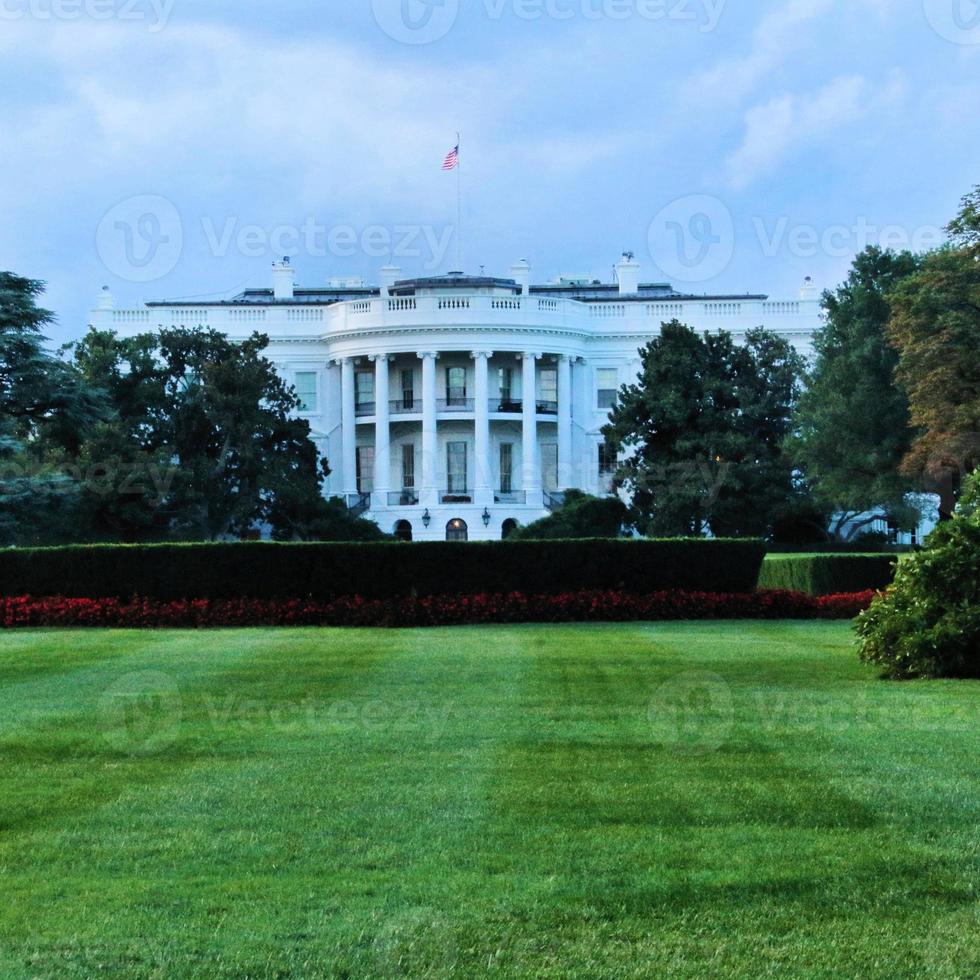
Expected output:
(206, 431)
(852, 421)
(700, 434)
(928, 623)
(935, 327)
(581, 516)
(46, 410)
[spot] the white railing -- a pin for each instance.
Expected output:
(246, 316)
(131, 316)
(722, 309)
(400, 304)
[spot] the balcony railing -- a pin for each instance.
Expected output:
(364, 408)
(458, 497)
(358, 503)
(510, 497)
(403, 498)
(407, 406)
(547, 408)
(456, 404)
(506, 406)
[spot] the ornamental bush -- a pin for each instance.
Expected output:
(828, 574)
(928, 623)
(321, 571)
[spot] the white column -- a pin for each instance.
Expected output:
(382, 436)
(531, 466)
(565, 476)
(348, 421)
(483, 495)
(430, 432)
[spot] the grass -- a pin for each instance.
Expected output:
(596, 801)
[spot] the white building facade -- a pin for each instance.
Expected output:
(459, 407)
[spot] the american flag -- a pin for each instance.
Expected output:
(452, 159)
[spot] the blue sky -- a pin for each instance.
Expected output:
(170, 148)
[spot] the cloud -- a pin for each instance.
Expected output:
(782, 128)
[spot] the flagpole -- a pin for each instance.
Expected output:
(459, 207)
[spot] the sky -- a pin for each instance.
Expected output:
(176, 148)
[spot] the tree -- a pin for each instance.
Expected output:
(581, 516)
(205, 430)
(935, 327)
(928, 623)
(46, 409)
(852, 421)
(700, 434)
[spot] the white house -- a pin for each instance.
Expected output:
(455, 406)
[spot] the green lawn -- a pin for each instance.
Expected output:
(593, 801)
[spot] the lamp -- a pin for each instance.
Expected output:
(486, 517)
(426, 517)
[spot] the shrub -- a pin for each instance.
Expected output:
(412, 611)
(581, 516)
(379, 570)
(928, 623)
(828, 574)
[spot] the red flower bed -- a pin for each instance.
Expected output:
(573, 607)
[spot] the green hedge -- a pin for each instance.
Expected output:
(379, 570)
(828, 574)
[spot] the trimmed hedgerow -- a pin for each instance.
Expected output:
(380, 570)
(828, 574)
(413, 611)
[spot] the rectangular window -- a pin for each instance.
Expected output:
(305, 385)
(607, 459)
(506, 467)
(506, 384)
(549, 466)
(607, 381)
(365, 469)
(548, 386)
(408, 467)
(456, 385)
(408, 390)
(456, 482)
(364, 391)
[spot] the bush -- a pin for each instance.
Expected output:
(581, 516)
(828, 574)
(928, 623)
(379, 570)
(573, 607)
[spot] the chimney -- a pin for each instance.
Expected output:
(106, 302)
(390, 274)
(809, 291)
(520, 272)
(282, 279)
(628, 274)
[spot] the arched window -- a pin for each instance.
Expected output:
(508, 528)
(403, 530)
(456, 530)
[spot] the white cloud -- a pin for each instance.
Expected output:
(783, 127)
